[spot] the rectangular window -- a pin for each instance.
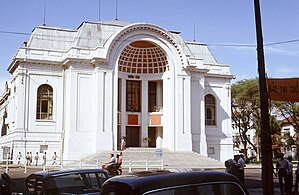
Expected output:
(119, 95)
(211, 150)
(44, 106)
(43, 148)
(152, 96)
(133, 98)
(210, 109)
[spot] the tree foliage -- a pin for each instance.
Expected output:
(246, 115)
(246, 110)
(289, 111)
(275, 129)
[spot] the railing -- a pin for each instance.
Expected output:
(141, 164)
(129, 165)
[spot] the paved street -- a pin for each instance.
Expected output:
(252, 178)
(253, 182)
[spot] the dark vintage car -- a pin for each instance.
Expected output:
(183, 183)
(80, 181)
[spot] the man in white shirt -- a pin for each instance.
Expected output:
(112, 162)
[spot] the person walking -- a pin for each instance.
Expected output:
(19, 157)
(54, 158)
(8, 157)
(282, 168)
(44, 159)
(28, 159)
(36, 158)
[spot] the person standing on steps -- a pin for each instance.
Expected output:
(123, 143)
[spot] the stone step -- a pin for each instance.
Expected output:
(170, 159)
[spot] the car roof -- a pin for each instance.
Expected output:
(146, 182)
(56, 173)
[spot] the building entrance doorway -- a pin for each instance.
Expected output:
(132, 136)
(152, 134)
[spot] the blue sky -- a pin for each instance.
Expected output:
(217, 23)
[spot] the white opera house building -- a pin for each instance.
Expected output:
(79, 91)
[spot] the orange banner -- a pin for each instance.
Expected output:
(283, 89)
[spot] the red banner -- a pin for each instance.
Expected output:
(283, 89)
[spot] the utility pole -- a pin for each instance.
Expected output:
(266, 142)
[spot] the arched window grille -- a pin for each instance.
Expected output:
(44, 106)
(210, 109)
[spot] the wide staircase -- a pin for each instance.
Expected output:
(176, 160)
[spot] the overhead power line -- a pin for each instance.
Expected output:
(282, 42)
(14, 33)
(230, 45)
(44, 37)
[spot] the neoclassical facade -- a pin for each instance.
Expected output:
(79, 91)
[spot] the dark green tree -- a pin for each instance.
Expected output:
(246, 110)
(246, 114)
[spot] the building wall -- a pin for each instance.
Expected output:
(219, 137)
(85, 84)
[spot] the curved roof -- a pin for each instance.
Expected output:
(91, 35)
(94, 41)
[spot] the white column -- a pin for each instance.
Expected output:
(203, 139)
(182, 121)
(187, 106)
(169, 128)
(159, 92)
(123, 107)
(159, 140)
(105, 110)
(99, 112)
(144, 111)
(110, 112)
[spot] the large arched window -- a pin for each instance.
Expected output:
(44, 106)
(210, 108)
